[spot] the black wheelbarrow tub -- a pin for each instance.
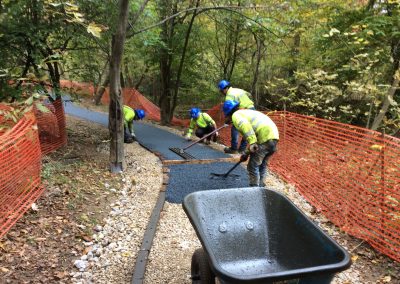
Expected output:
(257, 235)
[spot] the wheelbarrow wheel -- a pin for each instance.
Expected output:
(200, 268)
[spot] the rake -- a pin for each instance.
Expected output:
(181, 151)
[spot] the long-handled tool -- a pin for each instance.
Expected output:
(181, 151)
(228, 172)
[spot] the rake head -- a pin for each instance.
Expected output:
(182, 153)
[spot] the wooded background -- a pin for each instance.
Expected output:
(335, 59)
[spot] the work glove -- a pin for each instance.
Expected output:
(244, 157)
(215, 137)
(253, 148)
(228, 120)
(188, 138)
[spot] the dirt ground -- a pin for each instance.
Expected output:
(42, 246)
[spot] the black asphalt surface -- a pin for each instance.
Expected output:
(188, 178)
(153, 138)
(159, 140)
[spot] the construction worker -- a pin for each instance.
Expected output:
(245, 102)
(130, 115)
(260, 132)
(204, 123)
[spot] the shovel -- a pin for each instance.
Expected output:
(181, 152)
(228, 172)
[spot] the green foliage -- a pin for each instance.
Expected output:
(333, 58)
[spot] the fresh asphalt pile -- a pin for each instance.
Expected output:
(185, 179)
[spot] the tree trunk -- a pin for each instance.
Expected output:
(165, 62)
(104, 81)
(253, 91)
(294, 54)
(137, 85)
(387, 101)
(115, 115)
(178, 75)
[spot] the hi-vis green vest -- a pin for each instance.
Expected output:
(241, 96)
(254, 126)
(202, 121)
(129, 115)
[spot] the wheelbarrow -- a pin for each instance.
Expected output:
(257, 235)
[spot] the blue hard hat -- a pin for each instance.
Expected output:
(223, 84)
(141, 113)
(194, 112)
(229, 106)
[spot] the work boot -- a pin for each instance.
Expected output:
(229, 150)
(207, 142)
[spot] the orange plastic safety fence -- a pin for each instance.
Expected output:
(52, 126)
(350, 174)
(20, 165)
(130, 97)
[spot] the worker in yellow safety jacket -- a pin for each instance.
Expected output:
(203, 123)
(130, 115)
(245, 102)
(262, 135)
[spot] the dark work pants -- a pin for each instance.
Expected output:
(200, 132)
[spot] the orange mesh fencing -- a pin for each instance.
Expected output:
(52, 126)
(22, 145)
(350, 174)
(130, 97)
(20, 165)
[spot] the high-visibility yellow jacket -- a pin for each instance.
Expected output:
(129, 115)
(202, 121)
(241, 96)
(254, 126)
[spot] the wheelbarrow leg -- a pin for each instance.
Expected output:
(201, 272)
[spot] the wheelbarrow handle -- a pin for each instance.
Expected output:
(204, 137)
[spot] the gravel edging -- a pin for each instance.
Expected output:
(111, 256)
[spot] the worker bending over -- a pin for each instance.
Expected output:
(245, 102)
(262, 135)
(204, 123)
(130, 115)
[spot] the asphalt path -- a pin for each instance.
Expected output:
(153, 138)
(185, 179)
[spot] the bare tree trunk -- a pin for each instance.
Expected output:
(115, 115)
(141, 78)
(387, 101)
(166, 61)
(104, 81)
(253, 91)
(294, 55)
(178, 76)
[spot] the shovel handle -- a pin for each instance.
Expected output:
(204, 137)
(234, 167)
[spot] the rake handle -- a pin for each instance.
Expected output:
(204, 137)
